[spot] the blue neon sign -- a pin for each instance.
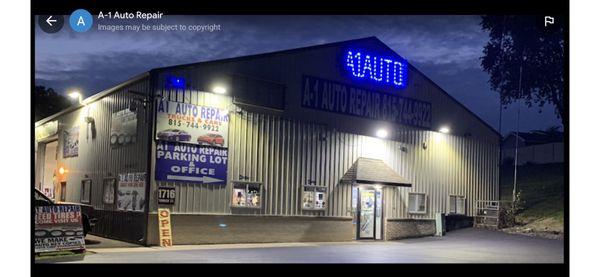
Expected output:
(381, 70)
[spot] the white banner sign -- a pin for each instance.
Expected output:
(187, 123)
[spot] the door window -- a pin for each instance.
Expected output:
(367, 213)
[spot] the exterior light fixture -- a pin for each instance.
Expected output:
(219, 90)
(381, 133)
(76, 95)
(444, 130)
(174, 82)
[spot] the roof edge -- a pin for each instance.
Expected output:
(92, 98)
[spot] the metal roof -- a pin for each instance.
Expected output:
(374, 171)
(288, 51)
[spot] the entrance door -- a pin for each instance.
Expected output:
(47, 168)
(369, 213)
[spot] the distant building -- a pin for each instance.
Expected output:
(536, 147)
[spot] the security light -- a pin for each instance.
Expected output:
(75, 95)
(381, 133)
(219, 90)
(444, 130)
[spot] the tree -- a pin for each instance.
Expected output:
(517, 41)
(48, 102)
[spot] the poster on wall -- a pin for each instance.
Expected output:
(58, 228)
(49, 192)
(108, 191)
(71, 142)
(131, 192)
(190, 163)
(123, 128)
(187, 123)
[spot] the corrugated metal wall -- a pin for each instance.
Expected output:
(284, 155)
(97, 160)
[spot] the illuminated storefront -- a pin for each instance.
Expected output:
(333, 142)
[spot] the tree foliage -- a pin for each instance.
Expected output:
(48, 102)
(539, 50)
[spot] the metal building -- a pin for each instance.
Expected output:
(332, 142)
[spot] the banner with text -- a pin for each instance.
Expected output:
(58, 228)
(341, 98)
(183, 122)
(190, 163)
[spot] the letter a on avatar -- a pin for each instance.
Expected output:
(80, 21)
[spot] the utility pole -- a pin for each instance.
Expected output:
(514, 192)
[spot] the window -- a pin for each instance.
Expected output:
(108, 190)
(313, 198)
(417, 203)
(457, 204)
(86, 190)
(246, 195)
(63, 191)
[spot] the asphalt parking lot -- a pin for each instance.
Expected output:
(460, 246)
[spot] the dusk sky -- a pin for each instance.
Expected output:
(446, 48)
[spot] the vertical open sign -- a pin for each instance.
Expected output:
(164, 228)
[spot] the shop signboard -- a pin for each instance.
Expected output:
(165, 234)
(123, 128)
(46, 130)
(341, 98)
(131, 192)
(71, 142)
(187, 123)
(58, 228)
(190, 163)
(377, 69)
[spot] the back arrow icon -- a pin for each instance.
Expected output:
(49, 20)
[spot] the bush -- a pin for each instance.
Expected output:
(509, 211)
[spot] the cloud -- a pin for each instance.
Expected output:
(446, 48)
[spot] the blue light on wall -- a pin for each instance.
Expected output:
(175, 82)
(381, 70)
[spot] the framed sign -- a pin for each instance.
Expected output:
(71, 142)
(246, 195)
(187, 123)
(166, 195)
(313, 198)
(131, 192)
(123, 128)
(108, 190)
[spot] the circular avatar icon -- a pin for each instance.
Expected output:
(81, 21)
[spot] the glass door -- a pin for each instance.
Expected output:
(366, 219)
